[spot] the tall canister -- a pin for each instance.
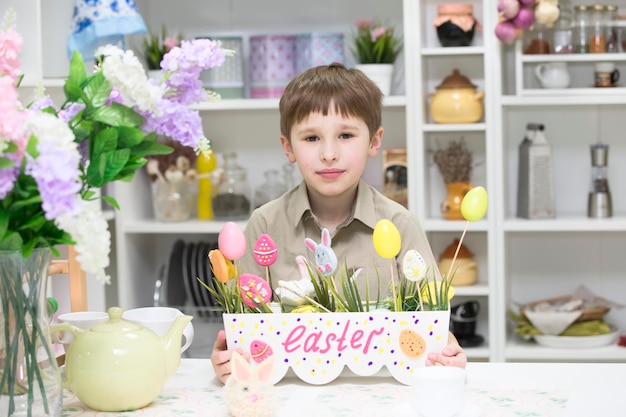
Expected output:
(535, 189)
(317, 48)
(227, 80)
(272, 64)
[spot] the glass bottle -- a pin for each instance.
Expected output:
(233, 193)
(599, 201)
(271, 189)
(582, 30)
(563, 34)
(612, 41)
(537, 40)
(597, 39)
(205, 164)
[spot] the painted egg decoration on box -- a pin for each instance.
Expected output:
(265, 251)
(254, 290)
(413, 265)
(260, 350)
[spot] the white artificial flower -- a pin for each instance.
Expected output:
(126, 73)
(90, 231)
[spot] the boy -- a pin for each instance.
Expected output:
(330, 123)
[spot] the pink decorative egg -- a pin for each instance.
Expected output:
(265, 251)
(231, 241)
(260, 350)
(254, 290)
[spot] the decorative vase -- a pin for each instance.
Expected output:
(381, 74)
(30, 378)
(451, 205)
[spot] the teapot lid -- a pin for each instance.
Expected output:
(456, 80)
(115, 323)
(448, 252)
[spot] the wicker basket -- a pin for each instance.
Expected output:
(589, 313)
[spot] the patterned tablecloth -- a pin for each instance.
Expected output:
(352, 399)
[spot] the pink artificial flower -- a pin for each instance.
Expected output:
(376, 33)
(170, 42)
(12, 115)
(363, 23)
(10, 48)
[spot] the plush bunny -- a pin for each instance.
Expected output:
(293, 293)
(325, 257)
(249, 391)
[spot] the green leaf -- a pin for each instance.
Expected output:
(6, 163)
(115, 162)
(5, 216)
(117, 115)
(130, 136)
(77, 69)
(105, 141)
(97, 90)
(82, 130)
(12, 241)
(73, 92)
(151, 148)
(112, 201)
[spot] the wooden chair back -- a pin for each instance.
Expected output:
(77, 277)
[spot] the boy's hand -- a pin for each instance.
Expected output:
(220, 357)
(451, 355)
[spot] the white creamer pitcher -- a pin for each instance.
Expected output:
(553, 75)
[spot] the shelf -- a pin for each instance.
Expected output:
(471, 290)
(186, 227)
(519, 350)
(461, 127)
(442, 225)
(529, 58)
(619, 97)
(451, 51)
(272, 104)
(481, 352)
(566, 223)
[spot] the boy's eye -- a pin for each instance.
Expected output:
(345, 135)
(311, 138)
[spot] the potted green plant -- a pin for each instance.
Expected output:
(376, 48)
(156, 45)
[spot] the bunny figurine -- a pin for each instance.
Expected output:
(249, 391)
(294, 293)
(325, 257)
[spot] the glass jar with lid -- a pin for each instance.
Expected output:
(562, 34)
(597, 39)
(271, 189)
(582, 29)
(232, 200)
(612, 41)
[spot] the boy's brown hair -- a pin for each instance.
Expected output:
(351, 92)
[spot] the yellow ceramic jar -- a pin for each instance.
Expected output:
(456, 101)
(465, 268)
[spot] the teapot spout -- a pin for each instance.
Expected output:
(172, 343)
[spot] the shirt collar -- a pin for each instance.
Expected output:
(364, 208)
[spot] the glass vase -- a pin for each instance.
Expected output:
(30, 378)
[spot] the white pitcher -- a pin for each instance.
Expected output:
(553, 75)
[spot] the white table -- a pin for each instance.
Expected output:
(492, 389)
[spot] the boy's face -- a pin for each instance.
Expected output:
(331, 151)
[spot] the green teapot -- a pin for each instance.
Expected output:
(118, 365)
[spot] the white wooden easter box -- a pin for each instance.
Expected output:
(317, 346)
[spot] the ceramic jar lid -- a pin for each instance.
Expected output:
(456, 80)
(448, 252)
(460, 14)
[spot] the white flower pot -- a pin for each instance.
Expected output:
(381, 74)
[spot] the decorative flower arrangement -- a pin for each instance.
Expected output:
(54, 159)
(454, 162)
(156, 46)
(325, 287)
(375, 43)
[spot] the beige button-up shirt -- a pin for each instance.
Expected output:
(288, 220)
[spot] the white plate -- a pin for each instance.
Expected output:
(577, 342)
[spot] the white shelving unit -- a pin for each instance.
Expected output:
(547, 258)
(519, 260)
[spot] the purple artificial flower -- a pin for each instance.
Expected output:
(9, 175)
(175, 121)
(55, 172)
(43, 103)
(70, 111)
(115, 96)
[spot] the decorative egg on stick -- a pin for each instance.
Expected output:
(387, 242)
(231, 241)
(265, 254)
(473, 208)
(414, 269)
(255, 292)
